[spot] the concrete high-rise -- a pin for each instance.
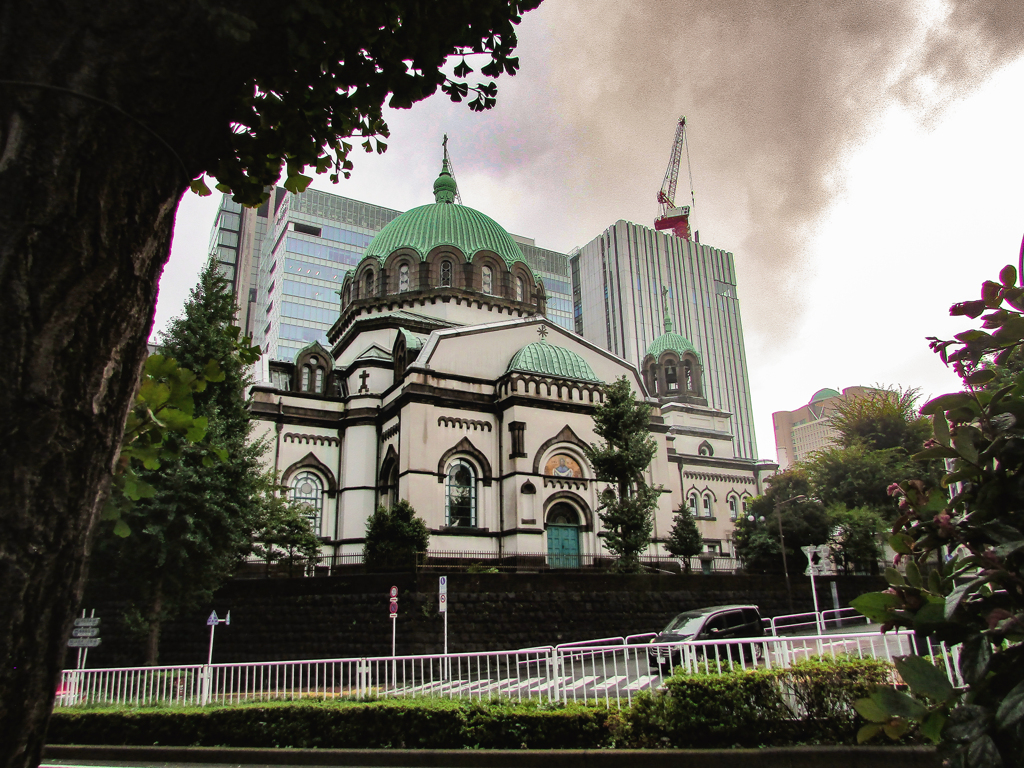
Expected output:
(807, 429)
(619, 280)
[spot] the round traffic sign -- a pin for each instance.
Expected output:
(394, 591)
(444, 598)
(394, 607)
(444, 581)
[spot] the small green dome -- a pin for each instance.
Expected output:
(678, 344)
(824, 394)
(541, 357)
(445, 187)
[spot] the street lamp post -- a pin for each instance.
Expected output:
(782, 543)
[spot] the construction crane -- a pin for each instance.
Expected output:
(670, 216)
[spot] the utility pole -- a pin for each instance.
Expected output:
(782, 543)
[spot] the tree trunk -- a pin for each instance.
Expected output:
(155, 619)
(87, 201)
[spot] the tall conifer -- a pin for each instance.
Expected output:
(188, 538)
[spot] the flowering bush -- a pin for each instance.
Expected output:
(962, 542)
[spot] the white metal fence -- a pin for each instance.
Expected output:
(609, 671)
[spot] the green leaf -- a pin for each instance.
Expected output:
(1008, 276)
(894, 577)
(1011, 709)
(868, 732)
(940, 428)
(896, 728)
(297, 183)
(913, 575)
(930, 615)
(901, 543)
(213, 371)
(870, 711)
(975, 655)
(1009, 548)
(946, 403)
(899, 704)
(197, 431)
(935, 582)
(877, 606)
(924, 678)
(121, 529)
(199, 187)
(983, 376)
(932, 726)
(982, 753)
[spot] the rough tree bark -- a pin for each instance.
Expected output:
(87, 202)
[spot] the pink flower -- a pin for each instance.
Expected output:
(894, 489)
(945, 527)
(896, 560)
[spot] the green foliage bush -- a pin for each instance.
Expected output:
(812, 702)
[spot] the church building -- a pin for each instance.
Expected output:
(446, 385)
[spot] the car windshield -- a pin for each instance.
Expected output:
(686, 623)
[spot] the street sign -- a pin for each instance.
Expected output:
(393, 608)
(213, 620)
(91, 622)
(394, 592)
(227, 619)
(442, 585)
(394, 599)
(442, 603)
(819, 560)
(85, 632)
(84, 642)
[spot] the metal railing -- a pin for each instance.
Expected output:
(610, 671)
(815, 623)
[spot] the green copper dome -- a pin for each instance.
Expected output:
(678, 344)
(445, 223)
(824, 394)
(541, 357)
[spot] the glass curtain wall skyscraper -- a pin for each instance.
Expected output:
(618, 303)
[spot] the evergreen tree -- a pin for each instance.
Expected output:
(283, 532)
(394, 537)
(684, 540)
(188, 537)
(627, 508)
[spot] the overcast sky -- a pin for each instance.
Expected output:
(862, 160)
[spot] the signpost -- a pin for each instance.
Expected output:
(85, 635)
(393, 612)
(817, 563)
(212, 621)
(442, 607)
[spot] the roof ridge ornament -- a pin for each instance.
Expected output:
(446, 189)
(668, 317)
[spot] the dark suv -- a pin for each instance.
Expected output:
(719, 622)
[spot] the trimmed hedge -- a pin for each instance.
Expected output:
(809, 703)
(412, 724)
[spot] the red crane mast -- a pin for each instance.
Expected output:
(670, 216)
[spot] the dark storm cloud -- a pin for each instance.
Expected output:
(776, 95)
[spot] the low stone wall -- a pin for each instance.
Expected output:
(336, 617)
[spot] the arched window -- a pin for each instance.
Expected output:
(520, 289)
(733, 511)
(307, 372)
(403, 278)
(446, 274)
(460, 493)
(688, 376)
(692, 504)
(369, 284)
(487, 279)
(307, 488)
(743, 507)
(319, 380)
(671, 379)
(707, 505)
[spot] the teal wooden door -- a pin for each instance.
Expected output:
(563, 546)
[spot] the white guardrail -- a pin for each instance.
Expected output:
(609, 671)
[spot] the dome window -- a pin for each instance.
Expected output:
(446, 274)
(369, 284)
(487, 279)
(520, 289)
(403, 278)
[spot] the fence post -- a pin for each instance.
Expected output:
(553, 675)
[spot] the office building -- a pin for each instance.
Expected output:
(800, 433)
(621, 280)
